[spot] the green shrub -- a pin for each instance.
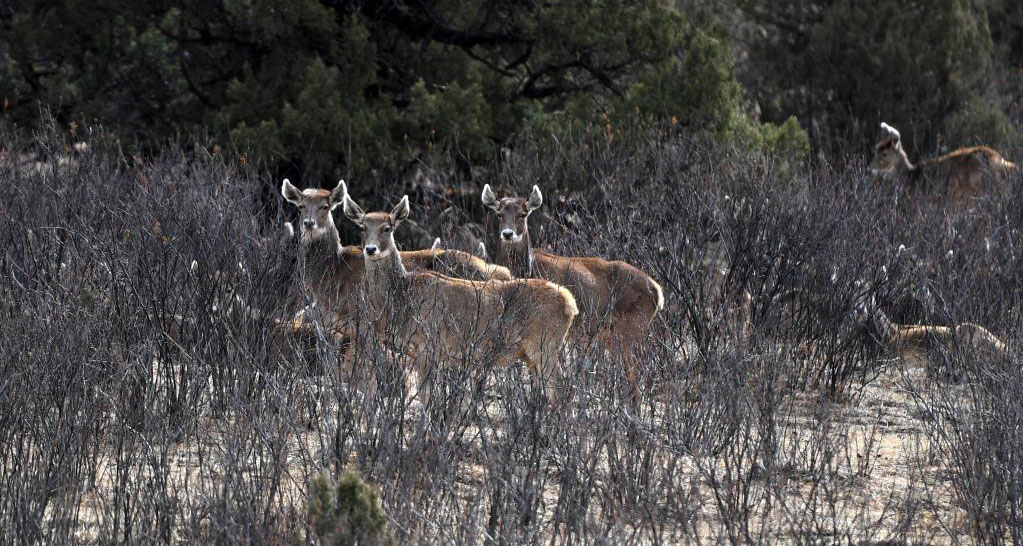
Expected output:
(348, 513)
(981, 121)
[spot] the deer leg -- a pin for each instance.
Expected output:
(351, 347)
(540, 360)
(745, 315)
(625, 344)
(424, 381)
(630, 363)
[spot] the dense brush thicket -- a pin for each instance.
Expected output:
(142, 402)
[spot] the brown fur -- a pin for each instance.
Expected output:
(335, 283)
(919, 336)
(630, 296)
(532, 317)
(454, 263)
(963, 175)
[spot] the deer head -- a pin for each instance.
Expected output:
(888, 154)
(315, 206)
(513, 212)
(377, 227)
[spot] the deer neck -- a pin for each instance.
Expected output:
(904, 169)
(884, 326)
(386, 278)
(517, 256)
(320, 253)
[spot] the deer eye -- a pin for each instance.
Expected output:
(324, 207)
(387, 229)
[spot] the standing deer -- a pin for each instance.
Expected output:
(960, 176)
(423, 313)
(617, 300)
(333, 273)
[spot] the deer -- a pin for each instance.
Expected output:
(960, 176)
(900, 339)
(334, 273)
(617, 300)
(424, 312)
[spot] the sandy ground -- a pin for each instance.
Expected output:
(884, 482)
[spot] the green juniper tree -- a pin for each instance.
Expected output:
(842, 66)
(322, 88)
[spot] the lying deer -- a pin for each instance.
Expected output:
(333, 273)
(900, 338)
(960, 176)
(423, 313)
(617, 300)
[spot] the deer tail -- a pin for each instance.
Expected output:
(658, 293)
(569, 307)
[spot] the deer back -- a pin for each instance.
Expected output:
(964, 174)
(506, 316)
(604, 290)
(453, 263)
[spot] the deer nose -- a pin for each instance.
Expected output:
(371, 250)
(309, 224)
(507, 234)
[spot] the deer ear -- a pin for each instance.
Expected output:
(535, 199)
(337, 195)
(481, 251)
(353, 211)
(889, 132)
(291, 193)
(895, 135)
(401, 211)
(489, 199)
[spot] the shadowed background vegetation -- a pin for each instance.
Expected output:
(319, 89)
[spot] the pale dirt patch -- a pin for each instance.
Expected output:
(884, 481)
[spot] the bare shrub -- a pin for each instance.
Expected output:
(143, 400)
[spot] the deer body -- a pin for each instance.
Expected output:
(959, 177)
(902, 339)
(335, 279)
(610, 294)
(424, 313)
(617, 300)
(453, 263)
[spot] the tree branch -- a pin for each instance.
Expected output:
(423, 22)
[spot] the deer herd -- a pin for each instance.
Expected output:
(438, 305)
